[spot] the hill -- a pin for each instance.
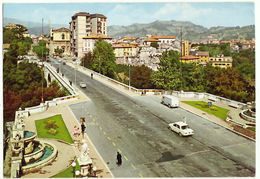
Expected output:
(191, 31)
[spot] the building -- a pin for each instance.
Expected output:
(186, 48)
(221, 61)
(60, 39)
(26, 34)
(189, 59)
(165, 39)
(89, 41)
(84, 24)
(125, 50)
(148, 41)
(203, 56)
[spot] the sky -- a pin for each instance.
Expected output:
(207, 14)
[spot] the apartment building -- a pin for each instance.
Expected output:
(125, 50)
(85, 24)
(203, 56)
(221, 61)
(189, 59)
(60, 39)
(186, 48)
(89, 41)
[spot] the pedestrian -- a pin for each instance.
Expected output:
(91, 75)
(83, 127)
(118, 159)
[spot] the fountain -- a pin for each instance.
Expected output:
(28, 154)
(249, 113)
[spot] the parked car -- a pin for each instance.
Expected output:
(82, 85)
(181, 128)
(170, 101)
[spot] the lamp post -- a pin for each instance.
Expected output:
(94, 170)
(75, 75)
(129, 71)
(73, 166)
(77, 173)
(99, 64)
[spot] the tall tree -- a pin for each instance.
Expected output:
(87, 60)
(141, 77)
(104, 58)
(168, 75)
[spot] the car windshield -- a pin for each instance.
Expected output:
(184, 127)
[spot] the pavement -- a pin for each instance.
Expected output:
(67, 153)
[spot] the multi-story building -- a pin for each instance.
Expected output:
(186, 48)
(148, 41)
(89, 41)
(221, 61)
(85, 24)
(203, 56)
(125, 50)
(165, 39)
(189, 59)
(60, 39)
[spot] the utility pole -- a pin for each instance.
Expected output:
(99, 64)
(42, 67)
(181, 62)
(129, 72)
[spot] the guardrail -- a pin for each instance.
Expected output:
(60, 79)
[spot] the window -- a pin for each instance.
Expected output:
(62, 36)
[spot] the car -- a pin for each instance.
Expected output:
(181, 128)
(82, 85)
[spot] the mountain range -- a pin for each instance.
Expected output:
(190, 31)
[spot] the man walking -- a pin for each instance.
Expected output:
(119, 159)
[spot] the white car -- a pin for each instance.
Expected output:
(181, 128)
(82, 85)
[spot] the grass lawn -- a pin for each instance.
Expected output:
(215, 110)
(68, 173)
(53, 127)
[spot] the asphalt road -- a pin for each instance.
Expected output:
(137, 127)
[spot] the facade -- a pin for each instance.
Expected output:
(89, 42)
(221, 62)
(186, 48)
(203, 57)
(125, 50)
(189, 59)
(148, 41)
(85, 24)
(165, 39)
(60, 39)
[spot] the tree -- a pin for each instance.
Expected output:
(141, 77)
(168, 74)
(104, 58)
(87, 60)
(58, 51)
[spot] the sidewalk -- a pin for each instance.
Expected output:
(67, 153)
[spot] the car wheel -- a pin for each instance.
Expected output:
(180, 134)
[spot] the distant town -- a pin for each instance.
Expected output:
(86, 28)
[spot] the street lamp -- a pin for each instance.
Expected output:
(99, 64)
(75, 75)
(129, 71)
(77, 173)
(73, 166)
(94, 170)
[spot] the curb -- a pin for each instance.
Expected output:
(221, 125)
(85, 134)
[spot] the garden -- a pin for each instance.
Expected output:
(211, 109)
(53, 127)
